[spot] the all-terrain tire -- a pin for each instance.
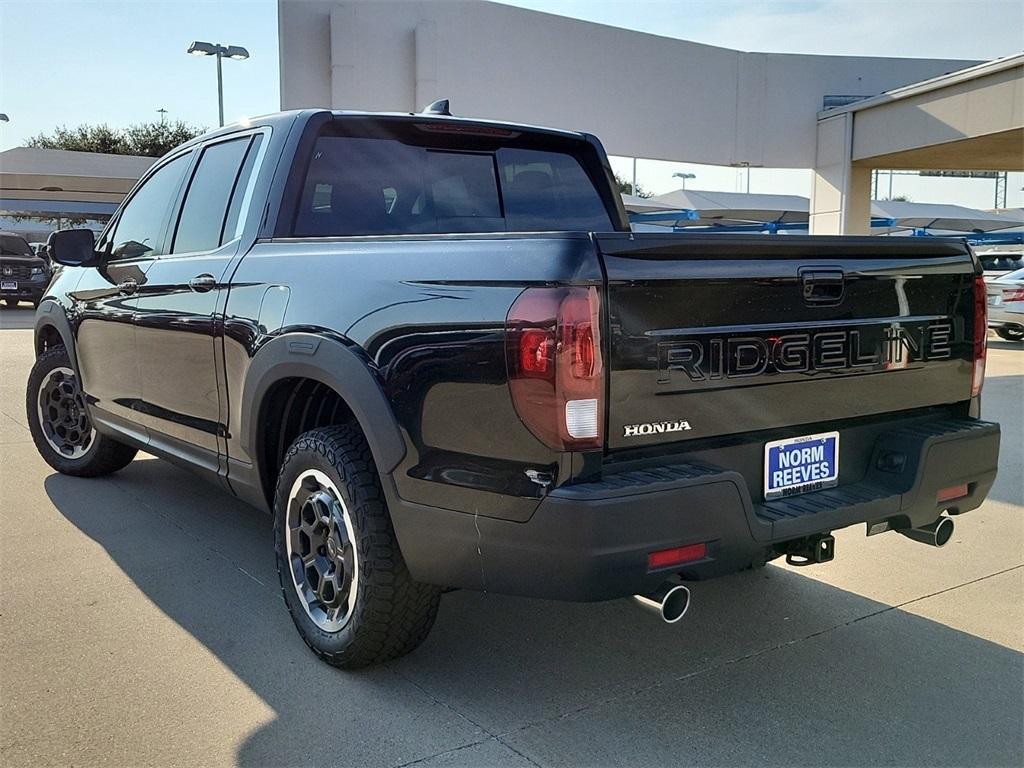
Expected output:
(102, 455)
(392, 613)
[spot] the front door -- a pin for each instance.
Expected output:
(104, 300)
(177, 314)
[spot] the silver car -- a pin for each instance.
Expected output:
(1006, 305)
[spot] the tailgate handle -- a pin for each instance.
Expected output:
(823, 286)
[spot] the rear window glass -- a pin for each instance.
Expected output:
(380, 186)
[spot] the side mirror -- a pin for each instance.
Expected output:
(72, 247)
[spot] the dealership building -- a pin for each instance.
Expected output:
(841, 116)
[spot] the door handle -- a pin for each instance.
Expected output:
(128, 287)
(823, 286)
(202, 283)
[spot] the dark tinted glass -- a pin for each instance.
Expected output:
(206, 202)
(379, 186)
(12, 245)
(549, 191)
(140, 224)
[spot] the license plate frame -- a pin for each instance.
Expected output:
(794, 465)
(8, 285)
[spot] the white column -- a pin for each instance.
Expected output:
(841, 191)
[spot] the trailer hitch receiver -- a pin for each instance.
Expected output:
(811, 550)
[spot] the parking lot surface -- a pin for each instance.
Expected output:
(141, 624)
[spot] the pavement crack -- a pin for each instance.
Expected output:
(443, 703)
(452, 751)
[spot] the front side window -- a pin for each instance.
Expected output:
(380, 186)
(203, 224)
(141, 222)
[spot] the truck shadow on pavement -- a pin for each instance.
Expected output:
(770, 667)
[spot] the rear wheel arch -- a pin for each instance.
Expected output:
(302, 381)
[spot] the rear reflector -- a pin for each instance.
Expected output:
(953, 492)
(980, 335)
(665, 558)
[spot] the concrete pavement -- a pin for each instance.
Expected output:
(141, 624)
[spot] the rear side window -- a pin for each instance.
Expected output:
(380, 186)
(213, 200)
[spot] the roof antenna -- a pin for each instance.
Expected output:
(439, 107)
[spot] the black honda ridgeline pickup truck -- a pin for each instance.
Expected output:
(435, 351)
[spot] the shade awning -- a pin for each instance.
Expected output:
(940, 217)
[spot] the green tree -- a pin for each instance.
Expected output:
(156, 139)
(626, 188)
(153, 139)
(84, 138)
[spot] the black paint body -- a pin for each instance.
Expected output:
(410, 332)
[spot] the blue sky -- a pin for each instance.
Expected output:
(119, 62)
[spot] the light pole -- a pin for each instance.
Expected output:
(684, 177)
(237, 52)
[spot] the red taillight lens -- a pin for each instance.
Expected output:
(953, 492)
(677, 556)
(1013, 294)
(536, 350)
(980, 334)
(555, 367)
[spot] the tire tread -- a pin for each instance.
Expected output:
(395, 613)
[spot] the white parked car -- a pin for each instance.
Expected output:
(1006, 305)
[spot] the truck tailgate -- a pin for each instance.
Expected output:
(721, 334)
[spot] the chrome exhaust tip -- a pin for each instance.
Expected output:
(935, 534)
(670, 601)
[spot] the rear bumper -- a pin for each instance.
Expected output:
(591, 541)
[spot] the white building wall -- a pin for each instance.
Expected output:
(643, 95)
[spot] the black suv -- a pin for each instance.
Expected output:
(433, 348)
(23, 275)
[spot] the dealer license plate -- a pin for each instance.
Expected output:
(9, 285)
(801, 464)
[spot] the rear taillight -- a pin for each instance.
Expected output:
(555, 366)
(1013, 294)
(980, 334)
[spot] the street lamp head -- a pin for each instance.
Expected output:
(4, 118)
(199, 48)
(684, 175)
(236, 52)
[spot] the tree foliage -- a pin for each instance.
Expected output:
(153, 139)
(626, 188)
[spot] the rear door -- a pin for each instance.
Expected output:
(177, 309)
(721, 335)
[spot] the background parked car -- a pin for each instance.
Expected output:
(1006, 305)
(23, 275)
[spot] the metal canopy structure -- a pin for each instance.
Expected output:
(738, 212)
(706, 208)
(955, 218)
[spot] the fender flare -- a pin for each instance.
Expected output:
(327, 360)
(51, 314)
